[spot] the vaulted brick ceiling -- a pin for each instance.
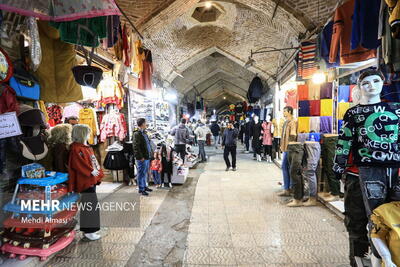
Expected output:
(211, 55)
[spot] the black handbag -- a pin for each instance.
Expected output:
(115, 160)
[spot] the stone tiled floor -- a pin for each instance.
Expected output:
(237, 220)
(117, 244)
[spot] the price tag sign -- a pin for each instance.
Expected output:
(9, 125)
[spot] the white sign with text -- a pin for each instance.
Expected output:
(9, 125)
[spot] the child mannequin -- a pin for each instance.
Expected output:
(156, 169)
(84, 174)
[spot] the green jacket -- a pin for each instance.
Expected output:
(140, 147)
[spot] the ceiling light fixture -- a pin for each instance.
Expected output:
(224, 97)
(319, 77)
(249, 63)
(208, 4)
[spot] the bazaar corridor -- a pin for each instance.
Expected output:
(236, 219)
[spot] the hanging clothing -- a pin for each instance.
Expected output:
(113, 25)
(118, 47)
(57, 83)
(126, 48)
(291, 98)
(256, 90)
(325, 40)
(8, 99)
(390, 45)
(139, 57)
(267, 133)
(326, 124)
(315, 107)
(110, 91)
(113, 124)
(71, 111)
(303, 124)
(71, 32)
(55, 115)
(42, 107)
(306, 62)
(88, 117)
(302, 92)
(304, 108)
(365, 24)
(326, 107)
(326, 91)
(145, 79)
(344, 93)
(341, 37)
(394, 19)
(342, 108)
(314, 91)
(315, 124)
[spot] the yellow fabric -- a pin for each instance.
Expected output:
(326, 107)
(386, 226)
(88, 116)
(139, 57)
(278, 127)
(342, 108)
(394, 6)
(303, 124)
(42, 107)
(57, 83)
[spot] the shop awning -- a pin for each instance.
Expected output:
(60, 10)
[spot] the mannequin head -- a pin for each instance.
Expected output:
(60, 134)
(288, 112)
(230, 125)
(268, 118)
(370, 83)
(247, 119)
(80, 133)
(256, 119)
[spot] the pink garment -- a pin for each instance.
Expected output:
(113, 124)
(267, 135)
(71, 110)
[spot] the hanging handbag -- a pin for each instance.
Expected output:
(89, 76)
(24, 83)
(115, 160)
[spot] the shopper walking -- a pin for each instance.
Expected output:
(181, 136)
(143, 152)
(215, 130)
(201, 134)
(229, 140)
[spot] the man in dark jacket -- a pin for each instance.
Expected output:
(215, 129)
(143, 152)
(181, 136)
(229, 139)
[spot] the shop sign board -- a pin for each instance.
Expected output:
(9, 125)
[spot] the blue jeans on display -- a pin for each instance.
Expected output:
(143, 170)
(156, 177)
(286, 171)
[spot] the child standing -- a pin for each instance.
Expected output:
(167, 154)
(156, 169)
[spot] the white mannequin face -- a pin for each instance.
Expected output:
(256, 119)
(371, 86)
(268, 118)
